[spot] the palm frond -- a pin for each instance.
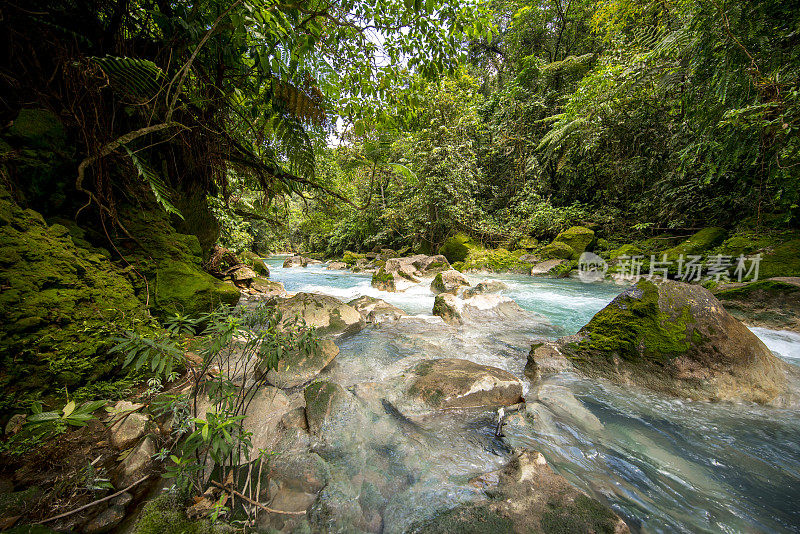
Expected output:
(157, 186)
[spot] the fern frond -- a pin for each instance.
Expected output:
(296, 145)
(306, 104)
(132, 76)
(157, 186)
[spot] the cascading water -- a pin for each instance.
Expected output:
(663, 464)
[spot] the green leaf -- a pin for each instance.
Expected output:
(69, 408)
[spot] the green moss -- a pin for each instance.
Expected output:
(701, 242)
(781, 260)
(465, 519)
(166, 515)
(562, 270)
(743, 292)
(625, 250)
(457, 248)
(581, 515)
(60, 307)
(255, 262)
(557, 250)
(350, 258)
(634, 327)
(39, 128)
(458, 266)
(171, 263)
(527, 243)
(438, 283)
(497, 260)
(383, 280)
(579, 238)
(319, 397)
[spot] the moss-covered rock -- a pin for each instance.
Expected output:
(448, 282)
(60, 306)
(166, 515)
(350, 258)
(255, 262)
(445, 305)
(327, 314)
(677, 338)
(701, 242)
(172, 265)
(497, 260)
(457, 248)
(38, 128)
(383, 280)
(628, 250)
(557, 250)
(780, 260)
(527, 243)
(579, 238)
(453, 383)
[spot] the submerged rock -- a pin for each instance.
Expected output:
(327, 314)
(480, 308)
(448, 282)
(376, 311)
(491, 286)
(297, 368)
(677, 338)
(454, 383)
(295, 261)
(525, 497)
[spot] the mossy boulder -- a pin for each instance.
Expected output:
(446, 306)
(60, 306)
(172, 264)
(557, 250)
(497, 260)
(772, 303)
(254, 261)
(376, 311)
(351, 258)
(457, 248)
(528, 243)
(628, 250)
(38, 128)
(579, 238)
(698, 244)
(780, 260)
(677, 338)
(166, 514)
(383, 280)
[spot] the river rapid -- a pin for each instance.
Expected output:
(663, 464)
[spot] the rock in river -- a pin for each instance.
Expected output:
(677, 338)
(297, 367)
(327, 314)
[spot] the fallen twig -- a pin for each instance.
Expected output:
(255, 503)
(98, 501)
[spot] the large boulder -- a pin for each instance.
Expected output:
(677, 338)
(337, 266)
(772, 303)
(456, 248)
(579, 239)
(448, 282)
(453, 383)
(376, 310)
(448, 307)
(327, 314)
(431, 264)
(526, 496)
(550, 267)
(297, 367)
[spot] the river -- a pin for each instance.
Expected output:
(663, 464)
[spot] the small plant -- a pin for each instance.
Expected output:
(52, 423)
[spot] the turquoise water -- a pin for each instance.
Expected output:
(664, 464)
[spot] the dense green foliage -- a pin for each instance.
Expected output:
(630, 115)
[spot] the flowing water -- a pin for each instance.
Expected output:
(664, 464)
